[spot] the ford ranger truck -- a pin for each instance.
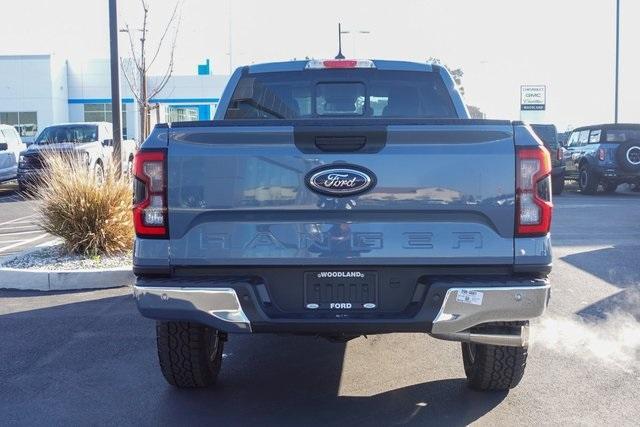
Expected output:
(341, 198)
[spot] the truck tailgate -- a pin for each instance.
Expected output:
(443, 194)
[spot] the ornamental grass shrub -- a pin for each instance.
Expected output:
(90, 212)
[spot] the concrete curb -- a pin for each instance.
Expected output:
(62, 280)
(49, 280)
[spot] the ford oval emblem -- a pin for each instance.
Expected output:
(340, 181)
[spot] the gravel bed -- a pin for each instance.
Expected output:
(57, 258)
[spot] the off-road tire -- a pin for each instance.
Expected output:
(190, 354)
(557, 184)
(493, 368)
(609, 187)
(587, 181)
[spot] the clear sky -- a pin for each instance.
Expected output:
(568, 45)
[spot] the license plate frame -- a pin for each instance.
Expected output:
(341, 290)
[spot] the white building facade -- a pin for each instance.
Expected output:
(37, 91)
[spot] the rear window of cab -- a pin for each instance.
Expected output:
(341, 93)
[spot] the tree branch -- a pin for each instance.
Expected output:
(165, 32)
(169, 72)
(131, 82)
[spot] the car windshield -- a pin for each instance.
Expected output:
(623, 135)
(341, 93)
(68, 133)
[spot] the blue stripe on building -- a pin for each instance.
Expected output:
(152, 100)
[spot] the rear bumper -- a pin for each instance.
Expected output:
(615, 173)
(448, 307)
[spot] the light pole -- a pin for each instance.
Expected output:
(116, 115)
(617, 56)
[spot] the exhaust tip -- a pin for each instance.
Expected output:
(519, 339)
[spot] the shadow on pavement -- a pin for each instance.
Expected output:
(94, 362)
(618, 266)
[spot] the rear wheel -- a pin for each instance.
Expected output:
(557, 184)
(190, 354)
(587, 181)
(491, 367)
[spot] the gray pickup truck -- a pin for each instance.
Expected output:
(91, 140)
(342, 198)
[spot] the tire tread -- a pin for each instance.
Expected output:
(182, 353)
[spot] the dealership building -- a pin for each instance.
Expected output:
(40, 90)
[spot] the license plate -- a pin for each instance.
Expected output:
(341, 290)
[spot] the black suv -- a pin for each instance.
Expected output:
(607, 154)
(548, 134)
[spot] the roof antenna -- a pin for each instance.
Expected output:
(339, 55)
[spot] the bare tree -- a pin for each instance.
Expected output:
(135, 69)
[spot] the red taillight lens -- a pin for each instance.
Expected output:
(560, 154)
(533, 192)
(601, 154)
(150, 194)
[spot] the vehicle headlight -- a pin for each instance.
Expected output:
(21, 161)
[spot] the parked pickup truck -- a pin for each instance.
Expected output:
(92, 140)
(342, 198)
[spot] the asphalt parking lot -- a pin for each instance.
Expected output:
(19, 228)
(89, 358)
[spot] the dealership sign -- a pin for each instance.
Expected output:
(533, 97)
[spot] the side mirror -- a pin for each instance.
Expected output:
(107, 143)
(4, 146)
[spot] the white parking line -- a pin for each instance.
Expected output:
(15, 227)
(24, 242)
(17, 219)
(22, 232)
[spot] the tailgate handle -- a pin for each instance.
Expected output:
(340, 144)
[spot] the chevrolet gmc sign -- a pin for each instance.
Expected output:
(533, 97)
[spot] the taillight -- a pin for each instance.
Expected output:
(315, 64)
(150, 194)
(601, 154)
(533, 192)
(560, 153)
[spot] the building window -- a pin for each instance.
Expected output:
(182, 113)
(25, 122)
(102, 113)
